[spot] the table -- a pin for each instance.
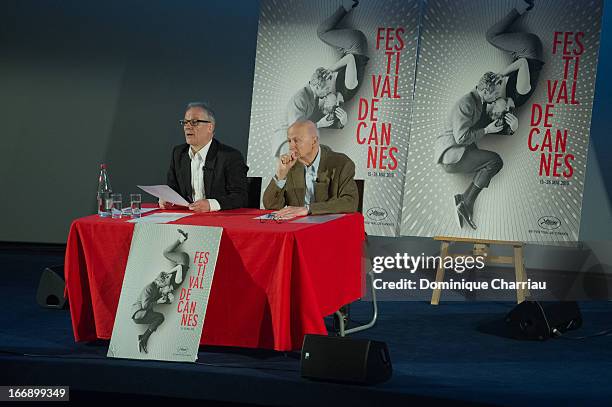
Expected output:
(274, 282)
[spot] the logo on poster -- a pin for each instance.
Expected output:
(377, 214)
(549, 222)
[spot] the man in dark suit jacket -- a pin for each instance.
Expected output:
(207, 173)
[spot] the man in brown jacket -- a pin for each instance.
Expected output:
(311, 178)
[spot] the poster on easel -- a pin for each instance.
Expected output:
(502, 112)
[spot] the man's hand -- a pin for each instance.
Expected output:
(341, 115)
(200, 205)
(290, 212)
(324, 122)
(165, 205)
(285, 163)
(512, 121)
(493, 128)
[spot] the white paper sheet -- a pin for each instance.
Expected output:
(165, 193)
(318, 218)
(162, 217)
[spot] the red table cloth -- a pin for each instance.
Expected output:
(274, 282)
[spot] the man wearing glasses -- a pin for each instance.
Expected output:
(456, 148)
(207, 173)
(311, 178)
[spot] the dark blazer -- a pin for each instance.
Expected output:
(224, 175)
(335, 187)
(462, 127)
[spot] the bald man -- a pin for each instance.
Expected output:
(311, 178)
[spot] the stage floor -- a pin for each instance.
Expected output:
(447, 353)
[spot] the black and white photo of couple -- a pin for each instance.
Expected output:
(322, 99)
(149, 308)
(490, 108)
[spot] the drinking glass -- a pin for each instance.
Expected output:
(117, 206)
(135, 202)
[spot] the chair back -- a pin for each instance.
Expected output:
(359, 183)
(254, 190)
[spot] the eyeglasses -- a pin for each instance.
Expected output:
(193, 122)
(272, 219)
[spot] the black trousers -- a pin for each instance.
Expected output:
(485, 163)
(150, 317)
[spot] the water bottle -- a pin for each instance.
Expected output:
(104, 193)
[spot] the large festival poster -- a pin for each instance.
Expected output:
(165, 292)
(502, 112)
(349, 67)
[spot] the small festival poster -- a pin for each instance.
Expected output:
(165, 292)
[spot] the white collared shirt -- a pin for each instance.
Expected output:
(310, 178)
(198, 160)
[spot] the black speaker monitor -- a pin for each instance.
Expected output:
(345, 360)
(542, 320)
(50, 293)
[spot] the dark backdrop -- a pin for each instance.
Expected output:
(83, 83)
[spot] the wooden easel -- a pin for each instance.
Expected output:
(481, 247)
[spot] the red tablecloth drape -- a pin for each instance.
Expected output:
(274, 282)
